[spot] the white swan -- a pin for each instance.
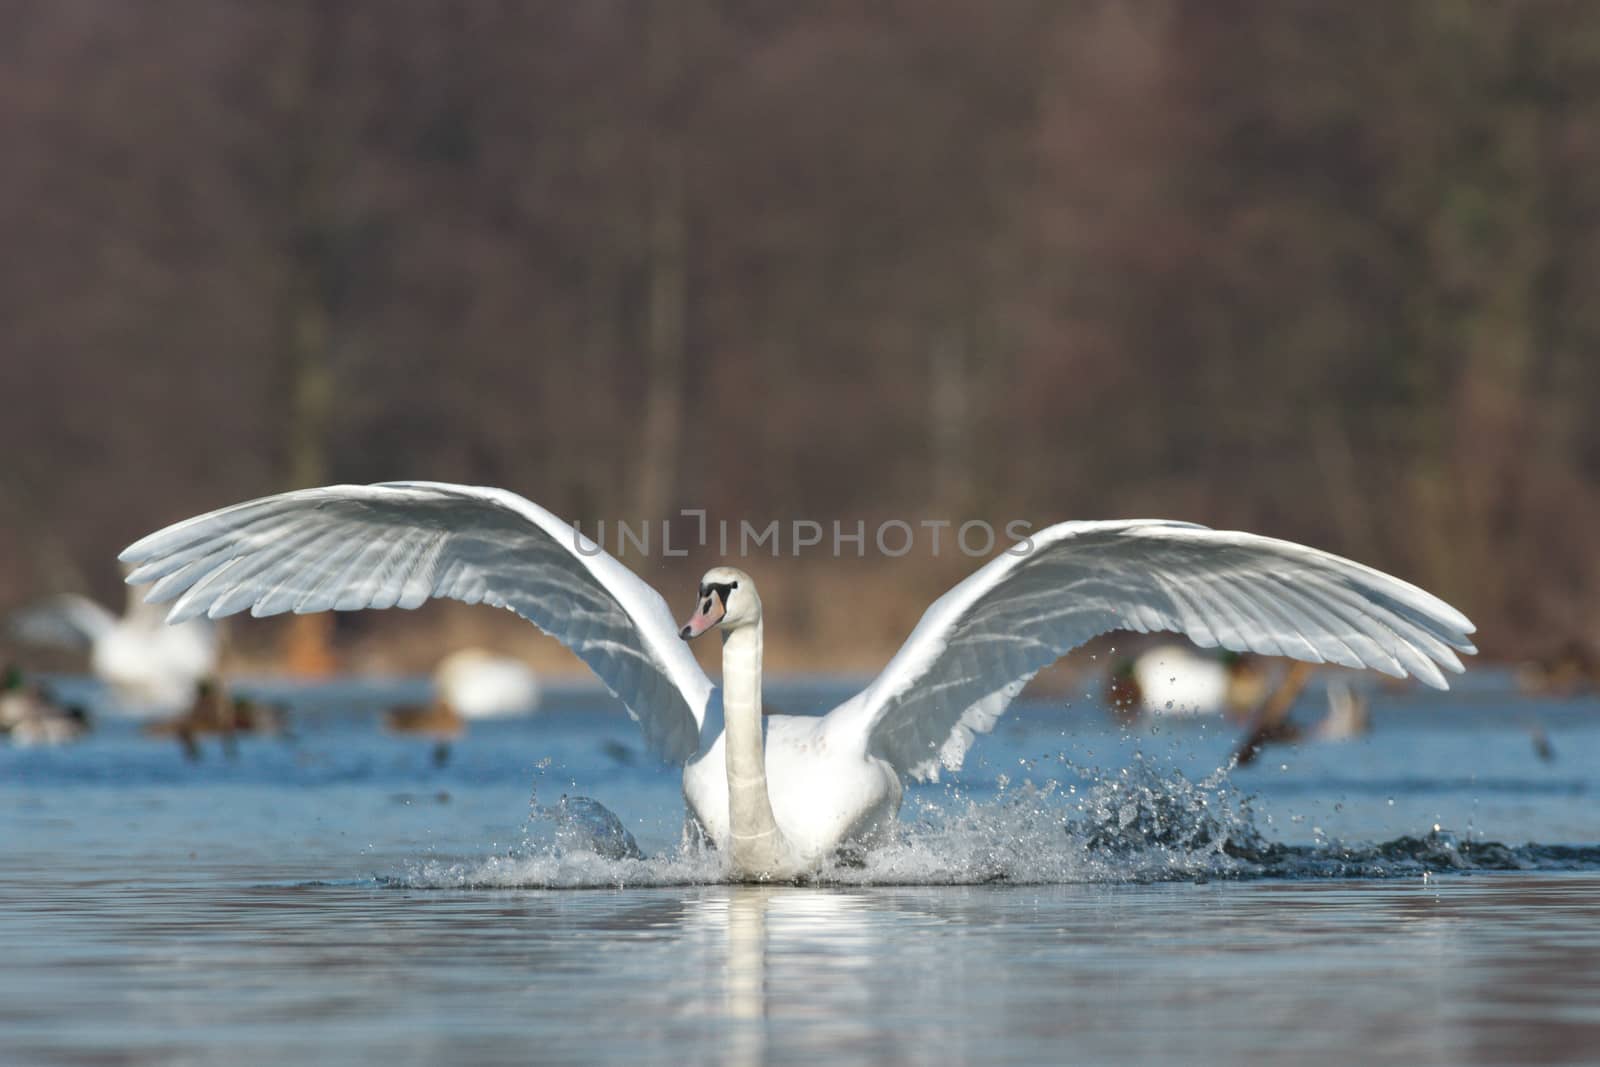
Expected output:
(481, 685)
(783, 807)
(1173, 680)
(151, 668)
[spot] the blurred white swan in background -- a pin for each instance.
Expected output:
(1171, 679)
(482, 685)
(783, 804)
(150, 667)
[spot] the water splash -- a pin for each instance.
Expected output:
(579, 824)
(1140, 824)
(575, 843)
(580, 869)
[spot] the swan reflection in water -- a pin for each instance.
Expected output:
(787, 955)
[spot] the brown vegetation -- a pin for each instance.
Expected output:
(1322, 271)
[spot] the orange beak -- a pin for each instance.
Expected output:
(707, 613)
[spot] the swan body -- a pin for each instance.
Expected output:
(780, 795)
(864, 792)
(150, 667)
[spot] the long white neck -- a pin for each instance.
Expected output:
(759, 849)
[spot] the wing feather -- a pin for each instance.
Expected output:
(67, 620)
(399, 544)
(979, 644)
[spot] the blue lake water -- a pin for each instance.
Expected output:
(1078, 893)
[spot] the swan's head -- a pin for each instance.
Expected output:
(727, 599)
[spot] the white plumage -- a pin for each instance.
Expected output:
(1175, 681)
(150, 667)
(480, 685)
(835, 779)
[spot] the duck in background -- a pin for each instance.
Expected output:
(1173, 679)
(28, 716)
(1571, 670)
(436, 720)
(469, 684)
(1542, 747)
(215, 712)
(1348, 715)
(150, 667)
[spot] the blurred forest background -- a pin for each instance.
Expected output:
(1323, 271)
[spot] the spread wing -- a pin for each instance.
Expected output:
(348, 547)
(980, 643)
(64, 621)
